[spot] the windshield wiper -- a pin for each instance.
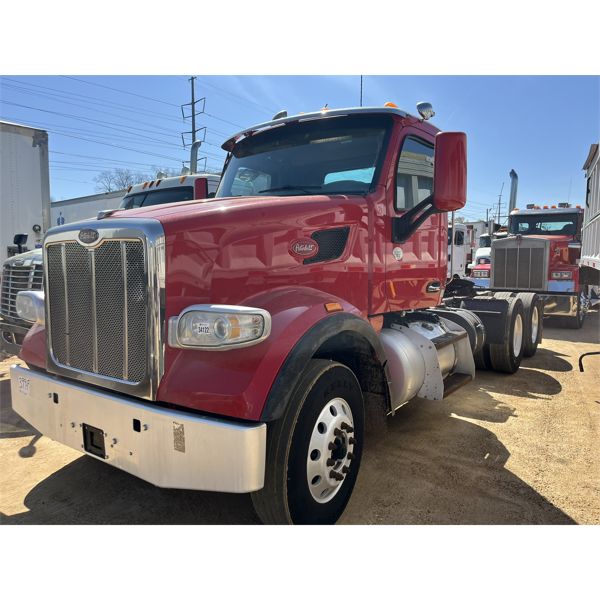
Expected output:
(286, 188)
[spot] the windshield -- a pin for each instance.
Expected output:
(549, 224)
(485, 241)
(153, 197)
(339, 155)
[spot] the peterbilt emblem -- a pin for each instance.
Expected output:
(19, 262)
(88, 236)
(303, 248)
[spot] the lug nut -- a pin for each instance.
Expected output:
(335, 475)
(347, 427)
(350, 456)
(338, 432)
(345, 470)
(332, 446)
(330, 462)
(351, 440)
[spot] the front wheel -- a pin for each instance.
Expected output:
(576, 322)
(314, 450)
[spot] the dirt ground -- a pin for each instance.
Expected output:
(509, 449)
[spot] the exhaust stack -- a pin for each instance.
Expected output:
(514, 183)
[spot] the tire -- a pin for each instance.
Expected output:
(482, 358)
(533, 314)
(506, 357)
(576, 322)
(303, 440)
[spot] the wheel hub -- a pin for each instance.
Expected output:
(517, 335)
(330, 448)
(534, 324)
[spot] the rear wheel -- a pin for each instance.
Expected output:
(506, 357)
(533, 314)
(576, 322)
(314, 450)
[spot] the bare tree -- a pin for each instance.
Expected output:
(118, 179)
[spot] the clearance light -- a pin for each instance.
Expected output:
(158, 182)
(145, 185)
(129, 189)
(333, 307)
(554, 206)
(325, 108)
(578, 206)
(561, 275)
(151, 184)
(545, 206)
(182, 178)
(391, 105)
(218, 327)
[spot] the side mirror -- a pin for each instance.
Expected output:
(20, 240)
(450, 175)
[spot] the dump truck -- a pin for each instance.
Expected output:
(245, 343)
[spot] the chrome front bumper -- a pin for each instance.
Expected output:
(172, 449)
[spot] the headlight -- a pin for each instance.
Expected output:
(30, 306)
(218, 327)
(561, 275)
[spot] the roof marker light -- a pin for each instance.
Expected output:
(553, 206)
(129, 189)
(391, 105)
(151, 183)
(158, 182)
(182, 178)
(145, 185)
(545, 206)
(325, 108)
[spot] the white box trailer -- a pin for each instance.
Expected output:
(85, 207)
(24, 186)
(589, 261)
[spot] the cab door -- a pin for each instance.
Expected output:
(416, 268)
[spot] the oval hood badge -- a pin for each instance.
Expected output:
(303, 248)
(88, 236)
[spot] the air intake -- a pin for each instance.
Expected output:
(331, 244)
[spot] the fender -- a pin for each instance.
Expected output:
(236, 383)
(304, 350)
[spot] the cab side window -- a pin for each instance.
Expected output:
(414, 176)
(459, 238)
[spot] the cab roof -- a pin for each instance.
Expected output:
(321, 114)
(167, 182)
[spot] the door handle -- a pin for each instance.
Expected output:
(433, 286)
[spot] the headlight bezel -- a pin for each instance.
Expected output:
(225, 312)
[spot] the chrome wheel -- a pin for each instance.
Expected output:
(330, 454)
(535, 324)
(518, 335)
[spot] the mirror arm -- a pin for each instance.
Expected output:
(404, 226)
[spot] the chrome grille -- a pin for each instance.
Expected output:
(98, 308)
(519, 265)
(16, 279)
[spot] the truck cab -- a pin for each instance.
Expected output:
(540, 254)
(235, 343)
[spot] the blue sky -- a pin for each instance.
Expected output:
(540, 126)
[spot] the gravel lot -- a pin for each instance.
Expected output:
(504, 449)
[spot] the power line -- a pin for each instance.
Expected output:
(120, 91)
(102, 102)
(269, 111)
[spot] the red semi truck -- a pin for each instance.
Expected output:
(541, 255)
(242, 343)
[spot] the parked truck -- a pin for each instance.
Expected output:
(589, 261)
(541, 255)
(24, 272)
(243, 343)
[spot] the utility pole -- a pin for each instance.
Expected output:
(500, 202)
(193, 113)
(361, 85)
(192, 80)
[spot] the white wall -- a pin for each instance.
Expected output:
(87, 207)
